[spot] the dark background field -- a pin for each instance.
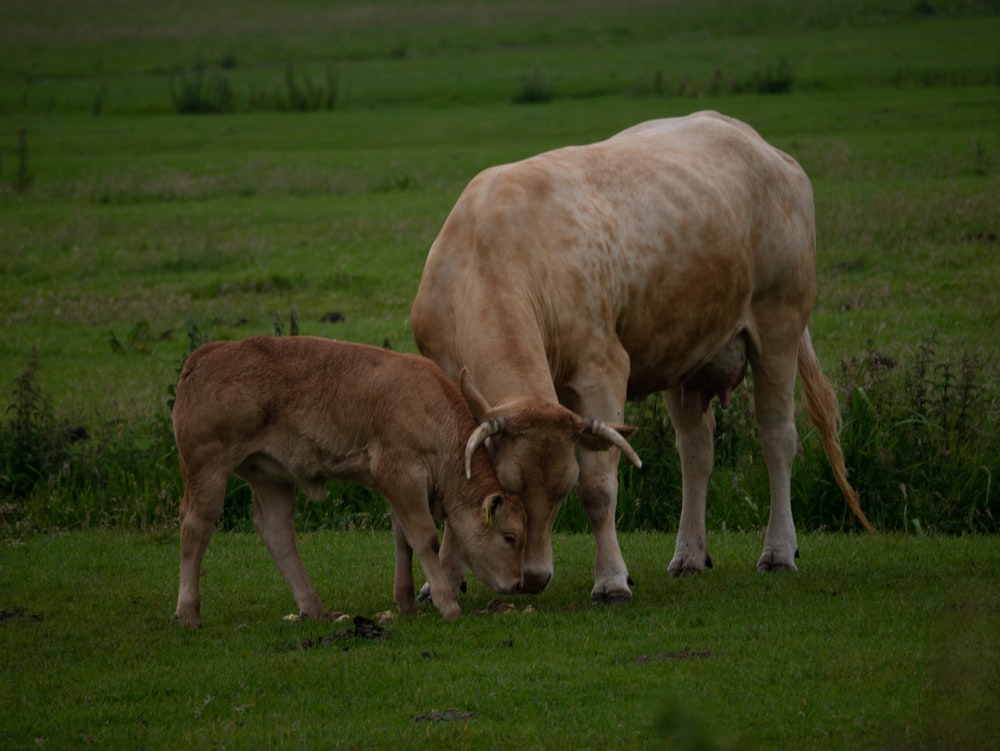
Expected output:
(218, 169)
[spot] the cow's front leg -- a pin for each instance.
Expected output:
(452, 562)
(695, 431)
(273, 516)
(597, 490)
(598, 390)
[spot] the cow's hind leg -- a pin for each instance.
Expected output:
(273, 516)
(694, 427)
(204, 495)
(774, 402)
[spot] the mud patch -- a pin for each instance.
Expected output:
(448, 715)
(363, 628)
(19, 613)
(684, 654)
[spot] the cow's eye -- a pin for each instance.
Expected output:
(510, 540)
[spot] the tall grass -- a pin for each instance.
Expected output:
(918, 436)
(919, 440)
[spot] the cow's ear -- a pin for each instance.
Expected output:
(476, 401)
(491, 507)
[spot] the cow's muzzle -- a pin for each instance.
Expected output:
(535, 582)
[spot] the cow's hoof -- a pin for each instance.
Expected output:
(611, 598)
(612, 593)
(188, 620)
(772, 562)
(682, 566)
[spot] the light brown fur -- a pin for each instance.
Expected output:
(302, 410)
(665, 258)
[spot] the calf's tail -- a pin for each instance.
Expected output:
(820, 402)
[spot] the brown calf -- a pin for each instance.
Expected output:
(303, 410)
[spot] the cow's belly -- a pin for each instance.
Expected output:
(713, 374)
(668, 342)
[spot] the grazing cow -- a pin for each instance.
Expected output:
(302, 410)
(664, 258)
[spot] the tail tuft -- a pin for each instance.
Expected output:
(820, 402)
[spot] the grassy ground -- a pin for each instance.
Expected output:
(886, 642)
(340, 137)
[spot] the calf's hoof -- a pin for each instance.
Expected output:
(425, 591)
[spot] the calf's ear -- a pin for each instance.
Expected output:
(491, 507)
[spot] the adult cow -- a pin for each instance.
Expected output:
(666, 257)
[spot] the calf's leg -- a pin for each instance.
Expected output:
(452, 562)
(201, 507)
(402, 585)
(273, 516)
(414, 526)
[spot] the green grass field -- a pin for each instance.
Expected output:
(219, 169)
(131, 214)
(878, 643)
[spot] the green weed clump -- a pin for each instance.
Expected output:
(32, 439)
(196, 92)
(57, 475)
(200, 91)
(920, 439)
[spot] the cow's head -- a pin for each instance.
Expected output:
(533, 446)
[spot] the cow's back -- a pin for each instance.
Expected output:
(657, 240)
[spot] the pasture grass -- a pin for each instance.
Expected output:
(332, 141)
(879, 642)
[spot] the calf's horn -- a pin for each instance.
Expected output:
(491, 427)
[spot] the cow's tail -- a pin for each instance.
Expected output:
(820, 402)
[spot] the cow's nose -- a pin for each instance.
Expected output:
(536, 582)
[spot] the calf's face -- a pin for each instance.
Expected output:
(491, 536)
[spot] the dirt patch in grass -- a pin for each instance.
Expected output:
(363, 628)
(19, 613)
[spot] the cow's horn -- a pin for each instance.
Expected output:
(491, 427)
(612, 436)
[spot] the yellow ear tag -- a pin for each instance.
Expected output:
(490, 506)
